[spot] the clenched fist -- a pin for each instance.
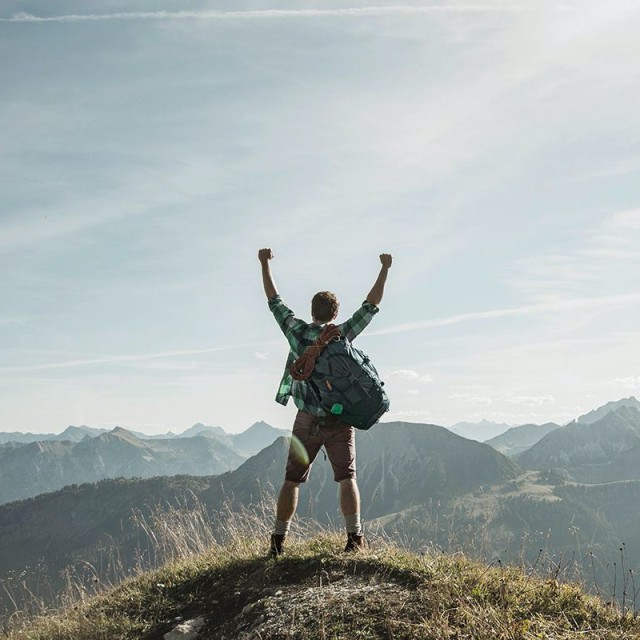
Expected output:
(264, 255)
(386, 260)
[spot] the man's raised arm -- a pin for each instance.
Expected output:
(264, 255)
(377, 291)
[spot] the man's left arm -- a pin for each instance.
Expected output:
(363, 316)
(377, 291)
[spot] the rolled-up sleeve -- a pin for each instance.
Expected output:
(284, 316)
(358, 321)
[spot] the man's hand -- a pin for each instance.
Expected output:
(386, 259)
(264, 255)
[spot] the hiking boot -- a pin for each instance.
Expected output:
(355, 542)
(277, 544)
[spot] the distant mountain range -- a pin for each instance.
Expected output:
(519, 439)
(480, 431)
(82, 454)
(76, 434)
(579, 448)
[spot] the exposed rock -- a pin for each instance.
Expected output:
(188, 630)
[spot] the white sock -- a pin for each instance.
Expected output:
(352, 523)
(282, 527)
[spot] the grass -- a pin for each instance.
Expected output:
(315, 591)
(214, 565)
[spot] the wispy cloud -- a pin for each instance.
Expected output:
(533, 401)
(111, 359)
(12, 321)
(630, 382)
(466, 397)
(605, 256)
(527, 310)
(404, 374)
(374, 11)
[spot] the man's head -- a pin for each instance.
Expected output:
(324, 306)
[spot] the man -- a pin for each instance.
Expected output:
(312, 427)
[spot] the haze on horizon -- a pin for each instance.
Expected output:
(149, 152)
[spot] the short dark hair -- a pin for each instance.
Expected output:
(324, 306)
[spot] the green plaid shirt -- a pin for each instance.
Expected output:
(300, 335)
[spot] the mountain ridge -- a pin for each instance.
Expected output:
(585, 443)
(520, 438)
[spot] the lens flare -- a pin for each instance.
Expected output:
(298, 451)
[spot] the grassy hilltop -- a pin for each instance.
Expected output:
(315, 591)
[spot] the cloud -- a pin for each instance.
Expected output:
(525, 310)
(630, 382)
(412, 392)
(533, 401)
(623, 167)
(411, 415)
(109, 359)
(24, 17)
(404, 374)
(261, 356)
(469, 386)
(13, 321)
(606, 254)
(483, 400)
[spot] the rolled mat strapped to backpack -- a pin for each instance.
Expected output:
(343, 379)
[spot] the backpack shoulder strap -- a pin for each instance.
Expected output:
(303, 367)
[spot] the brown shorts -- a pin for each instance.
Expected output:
(338, 439)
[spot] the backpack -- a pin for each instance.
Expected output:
(343, 379)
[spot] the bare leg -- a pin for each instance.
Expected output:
(349, 497)
(287, 501)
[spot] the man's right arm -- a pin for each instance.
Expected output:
(363, 316)
(264, 255)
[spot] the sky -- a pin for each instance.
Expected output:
(149, 149)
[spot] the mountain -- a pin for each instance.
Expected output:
(578, 444)
(480, 431)
(519, 439)
(17, 436)
(76, 434)
(399, 465)
(201, 429)
(247, 443)
(54, 529)
(71, 433)
(38, 467)
(621, 468)
(257, 437)
(601, 412)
